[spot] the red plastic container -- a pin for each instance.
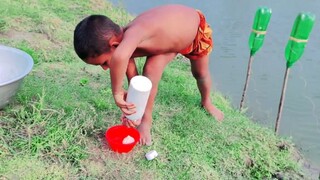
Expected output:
(116, 134)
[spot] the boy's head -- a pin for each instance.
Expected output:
(92, 36)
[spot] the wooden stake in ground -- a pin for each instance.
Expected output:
(260, 24)
(294, 50)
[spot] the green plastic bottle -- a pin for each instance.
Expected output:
(299, 37)
(260, 24)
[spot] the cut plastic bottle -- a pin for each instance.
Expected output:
(259, 29)
(299, 37)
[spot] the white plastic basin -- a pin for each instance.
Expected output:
(14, 66)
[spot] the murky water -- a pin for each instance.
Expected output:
(232, 21)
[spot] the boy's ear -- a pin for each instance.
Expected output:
(114, 44)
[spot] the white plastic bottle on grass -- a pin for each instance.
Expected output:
(138, 94)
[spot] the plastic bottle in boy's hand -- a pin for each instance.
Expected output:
(138, 94)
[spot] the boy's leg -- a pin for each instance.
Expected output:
(200, 71)
(153, 69)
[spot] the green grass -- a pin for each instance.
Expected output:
(54, 129)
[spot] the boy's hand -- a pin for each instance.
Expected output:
(129, 123)
(126, 108)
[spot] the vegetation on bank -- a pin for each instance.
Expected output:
(55, 126)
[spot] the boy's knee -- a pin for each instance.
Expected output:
(147, 69)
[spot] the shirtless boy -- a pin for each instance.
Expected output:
(159, 34)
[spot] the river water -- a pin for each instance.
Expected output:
(232, 22)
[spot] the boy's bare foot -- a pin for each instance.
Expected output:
(145, 134)
(215, 112)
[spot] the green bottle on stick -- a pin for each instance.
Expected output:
(299, 37)
(295, 47)
(259, 29)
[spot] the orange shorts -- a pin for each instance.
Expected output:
(202, 44)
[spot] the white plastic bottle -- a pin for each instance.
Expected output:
(138, 94)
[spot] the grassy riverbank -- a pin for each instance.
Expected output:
(55, 127)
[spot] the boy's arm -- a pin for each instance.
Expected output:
(118, 68)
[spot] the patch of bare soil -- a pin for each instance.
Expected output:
(110, 164)
(36, 40)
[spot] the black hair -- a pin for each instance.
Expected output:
(92, 35)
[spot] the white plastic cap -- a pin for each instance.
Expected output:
(151, 155)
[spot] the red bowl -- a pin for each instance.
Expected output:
(116, 134)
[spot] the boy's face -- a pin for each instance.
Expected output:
(103, 60)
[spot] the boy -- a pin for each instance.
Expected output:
(159, 34)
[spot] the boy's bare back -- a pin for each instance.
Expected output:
(161, 30)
